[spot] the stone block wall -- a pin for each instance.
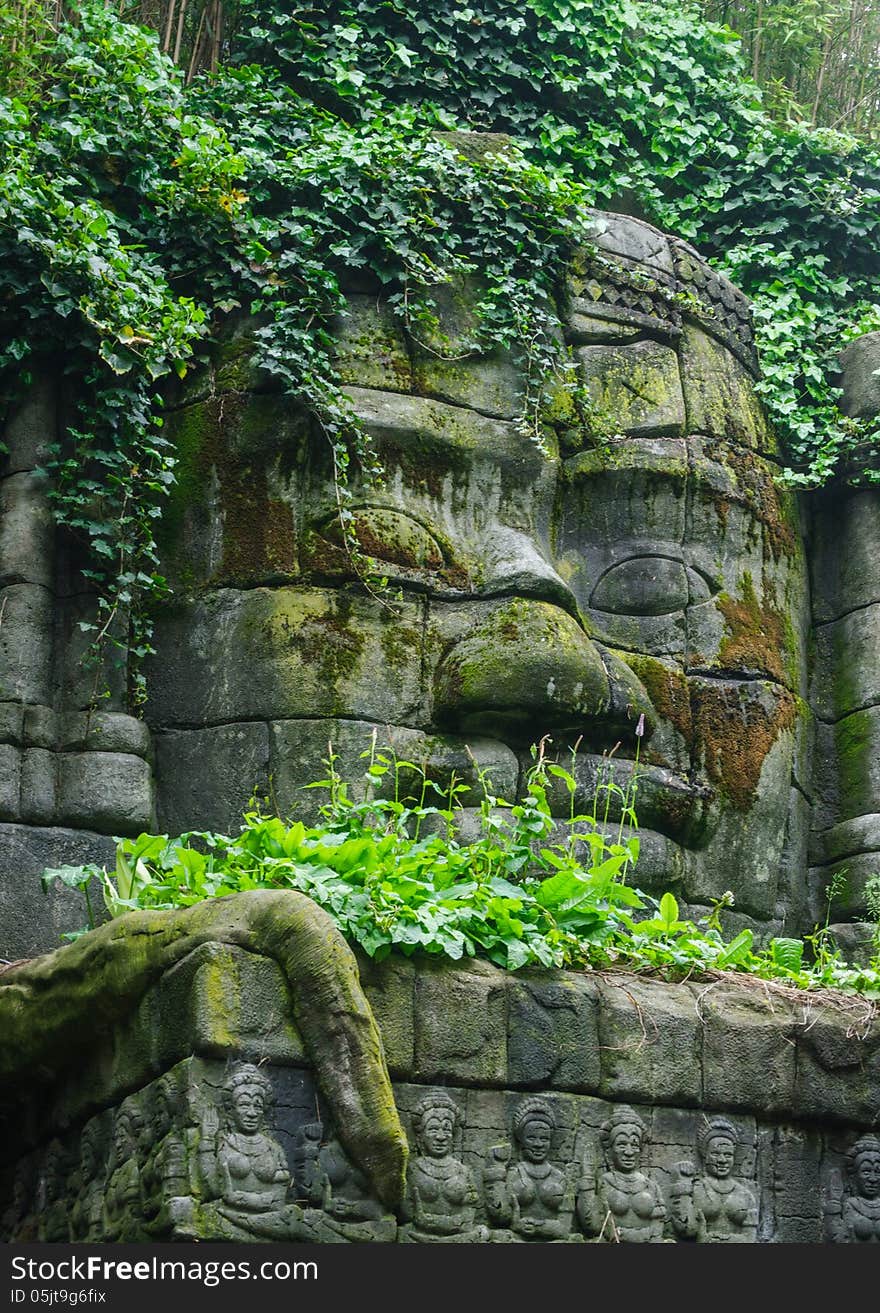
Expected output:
(72, 770)
(538, 1107)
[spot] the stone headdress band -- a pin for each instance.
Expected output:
(533, 1110)
(246, 1074)
(865, 1144)
(711, 1129)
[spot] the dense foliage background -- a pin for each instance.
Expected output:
(142, 198)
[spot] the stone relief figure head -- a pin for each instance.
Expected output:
(128, 1127)
(863, 1164)
(623, 1137)
(248, 1097)
(92, 1150)
(436, 1120)
(718, 1142)
(640, 561)
(534, 1125)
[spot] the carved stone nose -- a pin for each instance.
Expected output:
(529, 668)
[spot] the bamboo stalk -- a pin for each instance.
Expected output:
(180, 21)
(166, 40)
(195, 50)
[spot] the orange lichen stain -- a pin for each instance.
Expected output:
(733, 732)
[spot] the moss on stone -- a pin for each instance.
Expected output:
(329, 640)
(756, 634)
(772, 506)
(668, 690)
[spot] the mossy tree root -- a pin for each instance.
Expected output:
(53, 1007)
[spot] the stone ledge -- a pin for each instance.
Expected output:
(718, 1047)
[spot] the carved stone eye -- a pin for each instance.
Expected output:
(648, 585)
(390, 536)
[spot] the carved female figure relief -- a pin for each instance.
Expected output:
(852, 1207)
(534, 1198)
(441, 1195)
(122, 1193)
(715, 1205)
(52, 1205)
(165, 1175)
(88, 1184)
(243, 1165)
(622, 1203)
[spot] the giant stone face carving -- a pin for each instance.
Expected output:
(640, 563)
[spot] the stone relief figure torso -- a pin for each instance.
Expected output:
(122, 1190)
(243, 1168)
(344, 1208)
(531, 1196)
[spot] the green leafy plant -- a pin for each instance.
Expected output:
(396, 876)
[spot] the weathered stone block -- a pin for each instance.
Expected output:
(553, 1032)
(105, 731)
(860, 834)
(633, 239)
(371, 351)
(838, 1065)
(74, 668)
(461, 1023)
(38, 787)
(299, 746)
(390, 986)
(857, 940)
(26, 531)
(634, 389)
(849, 673)
(312, 651)
(719, 394)
(748, 1049)
(207, 777)
(221, 999)
(860, 371)
(32, 922)
(11, 722)
(844, 883)
(32, 428)
(585, 329)
(109, 791)
(40, 728)
(856, 760)
(650, 1042)
(845, 558)
(10, 782)
(26, 644)
(491, 385)
(443, 435)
